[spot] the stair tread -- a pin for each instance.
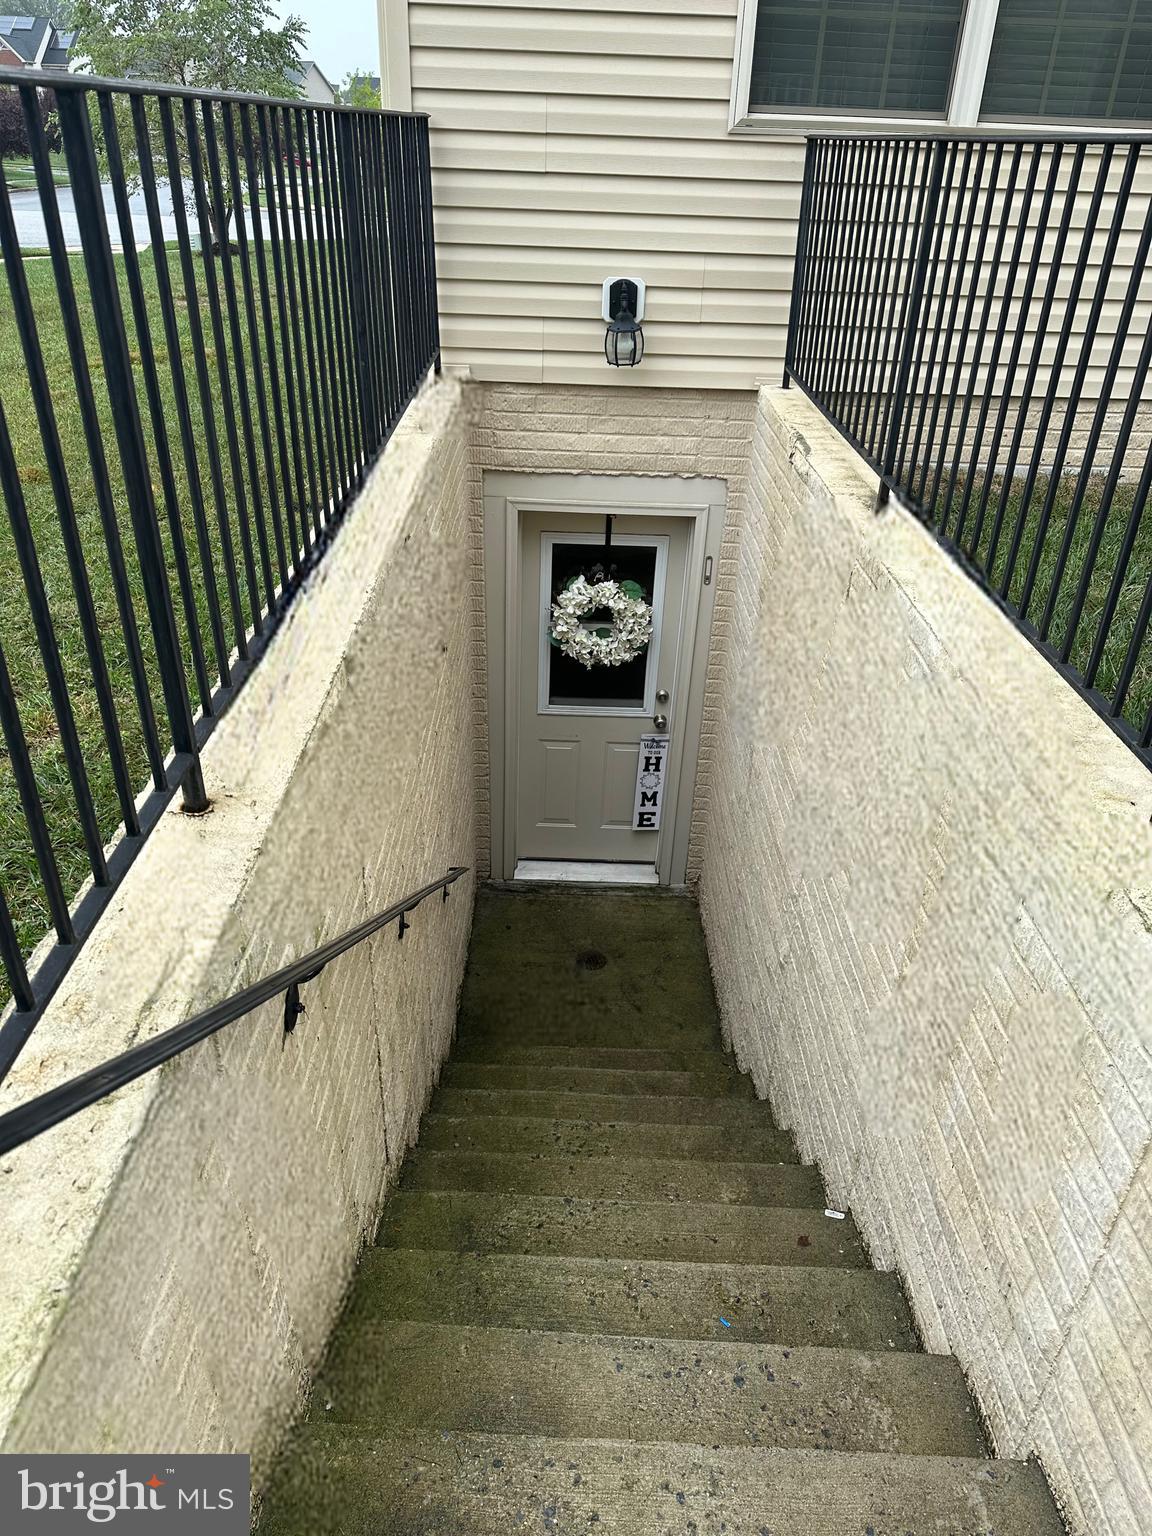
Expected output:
(615, 1178)
(619, 1058)
(606, 1138)
(548, 1104)
(573, 1079)
(621, 1229)
(342, 1478)
(458, 1377)
(650, 1298)
(593, 1029)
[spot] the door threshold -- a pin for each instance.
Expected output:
(586, 871)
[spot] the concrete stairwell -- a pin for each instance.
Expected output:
(607, 1296)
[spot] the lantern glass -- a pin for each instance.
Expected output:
(623, 342)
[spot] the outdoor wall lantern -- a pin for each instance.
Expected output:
(623, 310)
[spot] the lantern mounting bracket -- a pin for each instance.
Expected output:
(622, 293)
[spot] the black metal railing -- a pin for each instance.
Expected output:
(975, 316)
(221, 306)
(48, 1109)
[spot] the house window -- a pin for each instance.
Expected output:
(807, 63)
(891, 56)
(1078, 60)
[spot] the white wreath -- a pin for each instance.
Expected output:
(599, 645)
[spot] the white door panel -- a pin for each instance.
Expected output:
(618, 780)
(559, 781)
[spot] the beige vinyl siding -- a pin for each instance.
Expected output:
(571, 144)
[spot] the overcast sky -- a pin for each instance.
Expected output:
(342, 34)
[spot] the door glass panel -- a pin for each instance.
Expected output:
(570, 683)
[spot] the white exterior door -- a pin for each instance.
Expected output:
(579, 728)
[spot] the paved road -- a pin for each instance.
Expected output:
(32, 235)
(30, 220)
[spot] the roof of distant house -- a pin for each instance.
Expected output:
(298, 76)
(37, 41)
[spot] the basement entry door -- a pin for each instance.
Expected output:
(580, 728)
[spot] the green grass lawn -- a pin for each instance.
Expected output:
(1137, 574)
(20, 177)
(17, 866)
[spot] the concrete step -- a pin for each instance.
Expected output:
(835, 1308)
(611, 1178)
(474, 1074)
(337, 1478)
(619, 1229)
(516, 1054)
(610, 1107)
(590, 1138)
(591, 1386)
(540, 1024)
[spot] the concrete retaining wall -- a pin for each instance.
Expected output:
(174, 1257)
(927, 888)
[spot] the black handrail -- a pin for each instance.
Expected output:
(48, 1109)
(58, 80)
(982, 134)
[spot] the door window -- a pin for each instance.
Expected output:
(567, 685)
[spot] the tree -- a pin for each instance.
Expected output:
(221, 45)
(214, 45)
(13, 134)
(358, 91)
(50, 121)
(58, 12)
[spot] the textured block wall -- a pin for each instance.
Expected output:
(174, 1257)
(927, 889)
(597, 430)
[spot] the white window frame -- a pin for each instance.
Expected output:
(977, 28)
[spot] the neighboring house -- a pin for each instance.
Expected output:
(673, 148)
(313, 83)
(34, 42)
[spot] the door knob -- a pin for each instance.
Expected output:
(662, 695)
(660, 722)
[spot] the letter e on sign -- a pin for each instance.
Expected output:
(651, 765)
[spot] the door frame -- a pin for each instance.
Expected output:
(507, 497)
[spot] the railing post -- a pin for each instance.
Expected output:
(90, 216)
(346, 162)
(798, 267)
(927, 216)
(424, 144)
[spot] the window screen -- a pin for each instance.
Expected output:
(854, 55)
(1071, 58)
